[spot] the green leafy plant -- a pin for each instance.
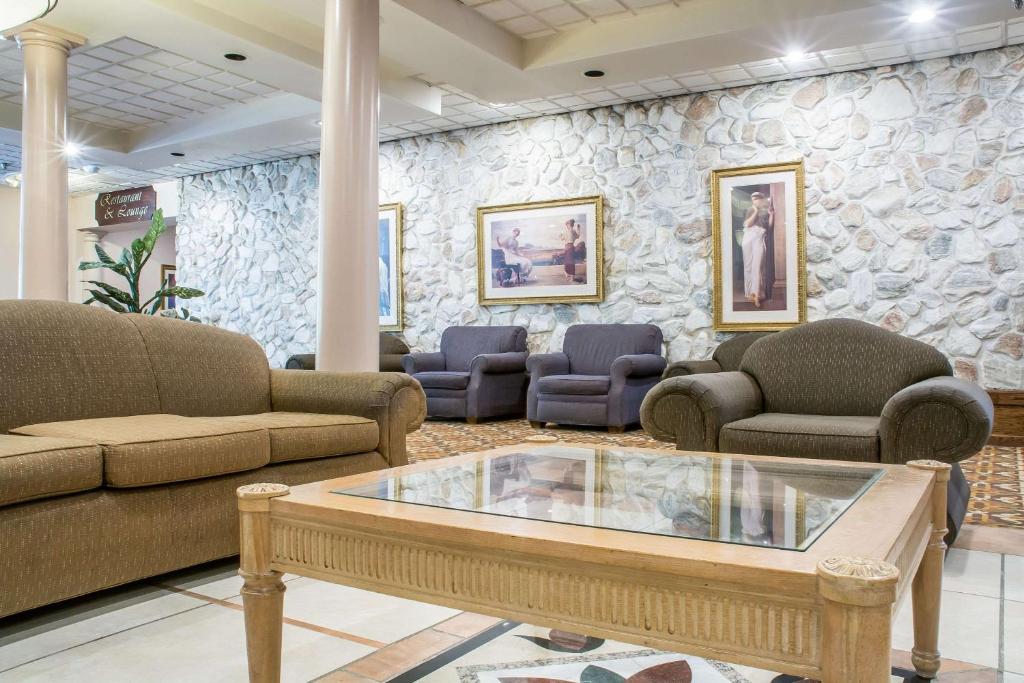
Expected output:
(129, 266)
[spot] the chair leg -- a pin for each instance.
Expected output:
(614, 429)
(536, 425)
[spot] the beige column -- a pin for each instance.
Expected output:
(90, 238)
(347, 290)
(43, 256)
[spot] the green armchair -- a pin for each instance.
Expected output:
(835, 389)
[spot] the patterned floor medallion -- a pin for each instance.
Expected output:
(996, 473)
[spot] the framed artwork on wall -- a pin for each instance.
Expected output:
(389, 241)
(168, 278)
(760, 258)
(541, 252)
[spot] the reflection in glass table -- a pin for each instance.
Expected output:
(732, 499)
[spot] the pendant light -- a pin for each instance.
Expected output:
(14, 13)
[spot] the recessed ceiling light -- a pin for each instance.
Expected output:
(921, 15)
(796, 56)
(235, 57)
(72, 149)
(320, 122)
(177, 154)
(593, 73)
(498, 104)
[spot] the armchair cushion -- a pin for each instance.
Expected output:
(414, 363)
(637, 365)
(942, 418)
(145, 450)
(574, 385)
(302, 436)
(499, 363)
(804, 436)
(393, 400)
(682, 368)
(691, 411)
(442, 380)
(33, 467)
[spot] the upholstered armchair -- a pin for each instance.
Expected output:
(392, 349)
(479, 372)
(726, 357)
(833, 389)
(600, 377)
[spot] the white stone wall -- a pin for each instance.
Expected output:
(914, 212)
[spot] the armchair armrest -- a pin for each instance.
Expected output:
(499, 363)
(691, 411)
(682, 368)
(423, 362)
(542, 364)
(393, 400)
(942, 418)
(637, 365)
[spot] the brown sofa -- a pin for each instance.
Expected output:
(833, 389)
(726, 357)
(124, 437)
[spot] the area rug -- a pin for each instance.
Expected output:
(517, 653)
(996, 473)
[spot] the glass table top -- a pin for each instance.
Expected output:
(785, 505)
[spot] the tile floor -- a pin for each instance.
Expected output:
(188, 627)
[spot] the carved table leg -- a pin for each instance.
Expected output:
(263, 592)
(926, 590)
(856, 619)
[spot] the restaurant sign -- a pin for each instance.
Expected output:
(126, 206)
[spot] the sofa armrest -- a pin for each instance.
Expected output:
(392, 399)
(542, 364)
(423, 362)
(637, 365)
(499, 363)
(691, 411)
(682, 368)
(942, 418)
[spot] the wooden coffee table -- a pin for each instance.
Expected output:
(794, 566)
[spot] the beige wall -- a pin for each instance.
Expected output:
(9, 220)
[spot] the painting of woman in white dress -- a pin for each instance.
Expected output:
(758, 232)
(540, 252)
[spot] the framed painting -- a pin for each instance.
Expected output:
(168, 278)
(760, 258)
(541, 252)
(389, 252)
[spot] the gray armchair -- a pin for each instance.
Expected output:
(833, 389)
(479, 372)
(599, 378)
(726, 357)
(392, 349)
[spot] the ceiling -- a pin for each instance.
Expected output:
(152, 78)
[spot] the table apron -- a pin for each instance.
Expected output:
(727, 621)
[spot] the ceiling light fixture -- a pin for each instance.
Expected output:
(72, 149)
(593, 73)
(14, 13)
(235, 57)
(498, 104)
(796, 56)
(921, 15)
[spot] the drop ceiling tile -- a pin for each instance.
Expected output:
(167, 59)
(660, 85)
(154, 82)
(105, 53)
(259, 88)
(628, 90)
(132, 47)
(198, 69)
(227, 78)
(99, 78)
(121, 72)
(212, 99)
(932, 45)
(184, 90)
(601, 8)
(174, 75)
(540, 34)
(640, 4)
(561, 15)
(885, 51)
(524, 24)
(499, 10)
(537, 5)
(133, 88)
(569, 101)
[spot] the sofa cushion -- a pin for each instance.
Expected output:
(826, 437)
(37, 467)
(442, 379)
(300, 436)
(574, 385)
(143, 450)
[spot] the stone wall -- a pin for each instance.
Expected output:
(914, 212)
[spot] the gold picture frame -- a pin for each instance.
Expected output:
(732, 315)
(397, 292)
(552, 289)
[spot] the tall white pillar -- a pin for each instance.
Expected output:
(347, 326)
(43, 256)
